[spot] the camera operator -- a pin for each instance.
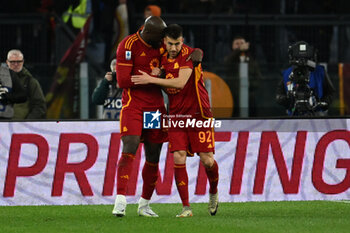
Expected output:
(108, 94)
(306, 89)
(11, 92)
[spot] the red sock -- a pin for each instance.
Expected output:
(124, 171)
(149, 176)
(181, 179)
(213, 177)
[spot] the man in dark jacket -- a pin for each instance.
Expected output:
(109, 95)
(35, 106)
(11, 92)
(240, 53)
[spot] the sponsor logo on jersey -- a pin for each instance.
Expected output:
(128, 55)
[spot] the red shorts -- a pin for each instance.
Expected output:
(131, 123)
(192, 140)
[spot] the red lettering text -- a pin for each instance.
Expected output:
(270, 139)
(63, 167)
(320, 153)
(13, 169)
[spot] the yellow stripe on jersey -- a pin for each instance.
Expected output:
(184, 51)
(212, 135)
(130, 41)
(189, 153)
(124, 64)
(127, 42)
(198, 73)
(121, 112)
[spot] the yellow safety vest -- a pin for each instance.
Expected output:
(78, 14)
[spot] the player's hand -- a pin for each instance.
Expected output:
(3, 95)
(156, 71)
(142, 78)
(108, 76)
(196, 56)
(3, 90)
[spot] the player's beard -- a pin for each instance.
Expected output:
(173, 54)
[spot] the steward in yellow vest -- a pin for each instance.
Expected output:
(78, 15)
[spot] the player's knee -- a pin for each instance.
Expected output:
(152, 151)
(180, 157)
(152, 158)
(207, 159)
(130, 144)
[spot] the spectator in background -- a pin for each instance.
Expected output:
(108, 94)
(11, 92)
(35, 106)
(120, 28)
(77, 14)
(240, 53)
(152, 10)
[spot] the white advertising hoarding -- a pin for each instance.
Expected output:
(68, 163)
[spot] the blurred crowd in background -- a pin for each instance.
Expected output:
(56, 36)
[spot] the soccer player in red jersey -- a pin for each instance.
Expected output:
(139, 51)
(189, 103)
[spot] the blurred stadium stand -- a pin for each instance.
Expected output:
(269, 37)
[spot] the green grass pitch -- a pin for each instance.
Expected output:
(292, 216)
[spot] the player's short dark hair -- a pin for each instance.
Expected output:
(173, 31)
(238, 37)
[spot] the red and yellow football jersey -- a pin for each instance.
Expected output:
(134, 54)
(193, 99)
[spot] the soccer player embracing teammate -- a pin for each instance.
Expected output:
(189, 103)
(141, 51)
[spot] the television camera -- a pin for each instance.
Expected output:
(303, 58)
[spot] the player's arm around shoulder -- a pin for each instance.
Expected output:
(184, 76)
(180, 82)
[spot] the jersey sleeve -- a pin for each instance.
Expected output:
(185, 53)
(124, 64)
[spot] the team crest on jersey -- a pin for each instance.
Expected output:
(154, 63)
(128, 55)
(143, 54)
(176, 65)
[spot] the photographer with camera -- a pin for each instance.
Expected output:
(35, 106)
(108, 94)
(11, 92)
(306, 89)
